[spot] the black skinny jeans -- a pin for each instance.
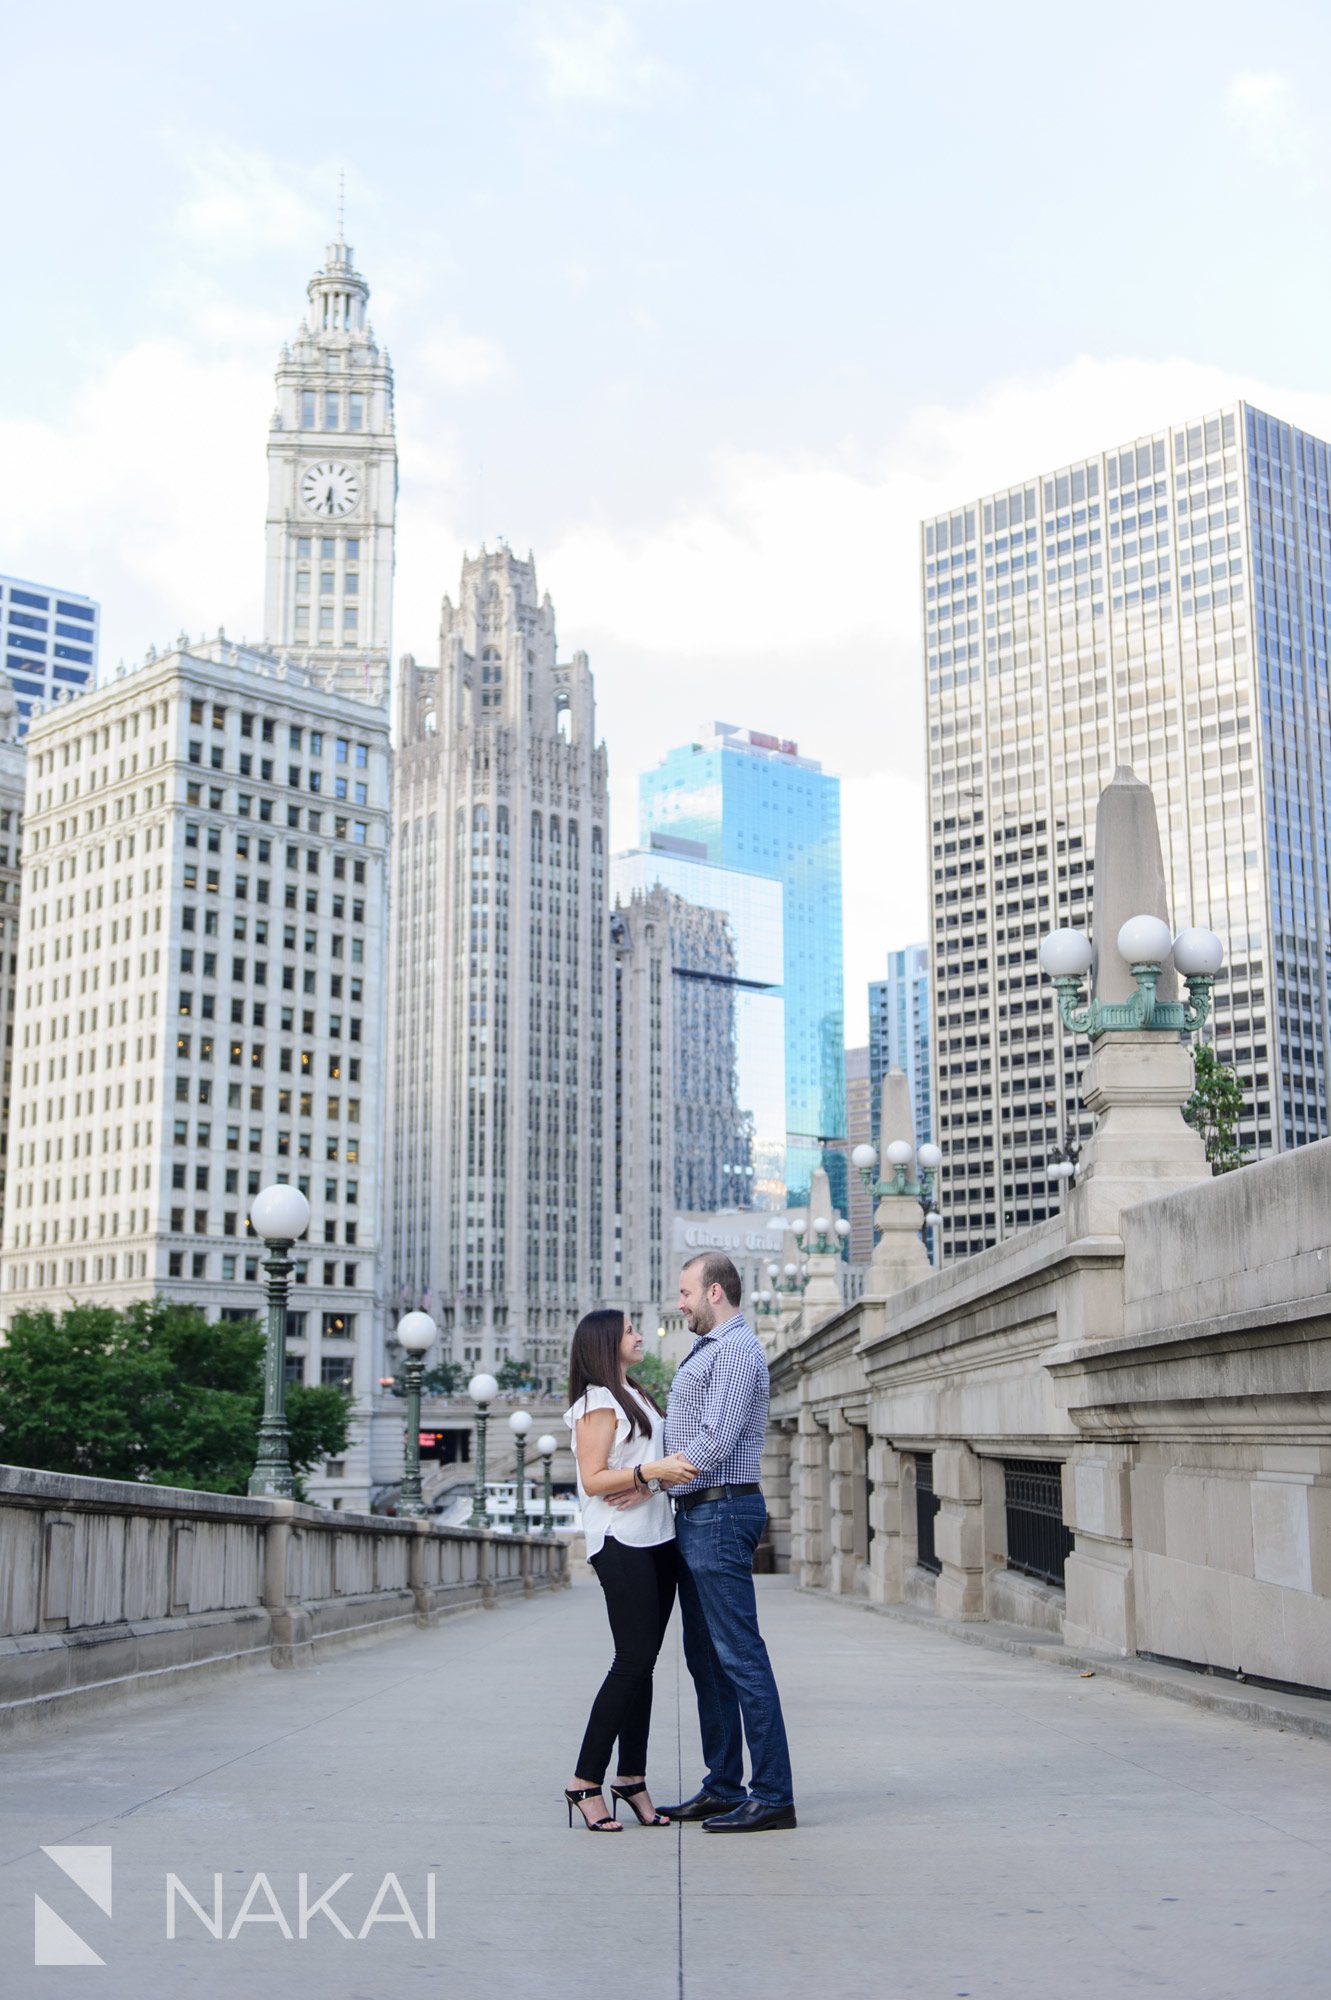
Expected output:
(639, 1586)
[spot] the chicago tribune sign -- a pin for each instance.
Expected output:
(735, 1242)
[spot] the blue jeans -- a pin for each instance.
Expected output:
(725, 1652)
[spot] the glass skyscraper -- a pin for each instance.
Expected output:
(751, 802)
(1163, 605)
(50, 641)
(899, 1035)
(752, 906)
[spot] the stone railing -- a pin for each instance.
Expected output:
(1172, 1381)
(105, 1585)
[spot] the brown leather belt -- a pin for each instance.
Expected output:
(687, 1500)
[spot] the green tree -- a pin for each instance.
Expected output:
(1215, 1107)
(155, 1392)
(444, 1379)
(655, 1376)
(517, 1375)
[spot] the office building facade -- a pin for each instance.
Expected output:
(859, 1132)
(751, 906)
(500, 985)
(50, 642)
(899, 1035)
(754, 804)
(1160, 605)
(680, 1136)
(199, 1005)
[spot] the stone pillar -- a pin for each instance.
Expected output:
(842, 1557)
(283, 1580)
(808, 1555)
(1137, 1085)
(822, 1298)
(886, 1549)
(778, 1452)
(959, 1532)
(1097, 1507)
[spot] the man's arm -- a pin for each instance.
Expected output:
(734, 1381)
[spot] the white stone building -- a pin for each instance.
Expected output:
(199, 1005)
(500, 1092)
(332, 491)
(12, 776)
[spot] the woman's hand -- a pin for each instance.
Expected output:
(672, 1471)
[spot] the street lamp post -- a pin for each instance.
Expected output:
(482, 1389)
(280, 1215)
(520, 1423)
(1144, 944)
(416, 1335)
(547, 1447)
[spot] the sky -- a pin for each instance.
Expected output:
(705, 302)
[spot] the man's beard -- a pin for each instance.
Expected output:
(703, 1318)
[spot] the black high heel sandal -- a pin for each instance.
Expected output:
(629, 1793)
(592, 1825)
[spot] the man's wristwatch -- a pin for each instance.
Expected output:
(645, 1485)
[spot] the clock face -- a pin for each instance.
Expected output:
(330, 489)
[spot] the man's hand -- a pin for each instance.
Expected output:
(633, 1498)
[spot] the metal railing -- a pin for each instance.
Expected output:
(1037, 1542)
(926, 1509)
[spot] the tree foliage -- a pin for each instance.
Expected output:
(444, 1379)
(1215, 1107)
(155, 1392)
(654, 1374)
(517, 1375)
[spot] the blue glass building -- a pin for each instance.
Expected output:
(50, 641)
(754, 804)
(899, 1036)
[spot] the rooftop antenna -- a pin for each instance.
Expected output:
(341, 204)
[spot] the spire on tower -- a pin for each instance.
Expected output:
(341, 204)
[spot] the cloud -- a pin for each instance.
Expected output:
(591, 58)
(786, 596)
(461, 360)
(149, 495)
(783, 594)
(1274, 125)
(240, 201)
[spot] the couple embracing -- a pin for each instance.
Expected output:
(671, 1505)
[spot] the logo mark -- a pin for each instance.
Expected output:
(54, 1941)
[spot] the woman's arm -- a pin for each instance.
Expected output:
(596, 1435)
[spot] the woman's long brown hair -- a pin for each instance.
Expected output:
(594, 1363)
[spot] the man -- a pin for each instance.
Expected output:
(715, 1422)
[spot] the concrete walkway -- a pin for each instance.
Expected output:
(971, 1825)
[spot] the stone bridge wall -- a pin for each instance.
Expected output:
(105, 1584)
(1177, 1371)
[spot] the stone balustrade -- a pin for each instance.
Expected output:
(105, 1584)
(1172, 1374)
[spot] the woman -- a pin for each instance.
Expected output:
(630, 1534)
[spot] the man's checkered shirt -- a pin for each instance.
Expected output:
(717, 1414)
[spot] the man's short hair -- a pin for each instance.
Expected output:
(717, 1269)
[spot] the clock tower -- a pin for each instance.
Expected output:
(332, 491)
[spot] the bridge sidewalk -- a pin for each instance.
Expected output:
(971, 1824)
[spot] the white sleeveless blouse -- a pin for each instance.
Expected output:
(652, 1521)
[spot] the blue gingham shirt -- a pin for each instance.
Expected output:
(717, 1413)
